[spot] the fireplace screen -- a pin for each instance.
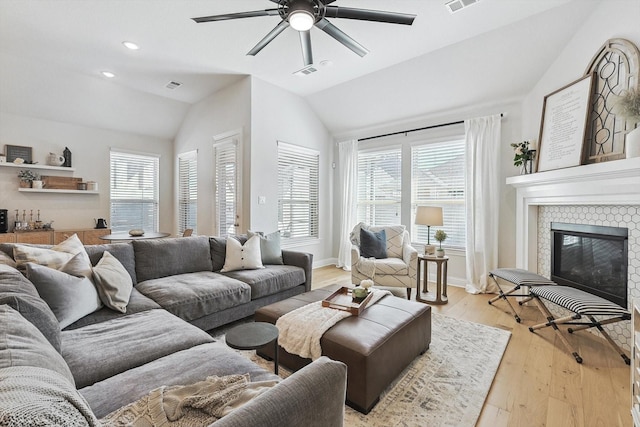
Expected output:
(591, 258)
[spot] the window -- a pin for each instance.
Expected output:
(134, 191)
(298, 179)
(187, 191)
(226, 185)
(437, 179)
(379, 187)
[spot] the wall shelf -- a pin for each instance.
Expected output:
(44, 190)
(37, 166)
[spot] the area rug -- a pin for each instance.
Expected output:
(446, 386)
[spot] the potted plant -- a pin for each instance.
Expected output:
(440, 236)
(627, 106)
(523, 156)
(27, 177)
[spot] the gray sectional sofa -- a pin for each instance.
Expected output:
(112, 359)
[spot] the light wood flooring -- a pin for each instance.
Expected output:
(538, 382)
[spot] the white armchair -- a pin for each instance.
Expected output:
(397, 270)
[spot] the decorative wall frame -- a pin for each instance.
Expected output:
(563, 128)
(14, 151)
(617, 69)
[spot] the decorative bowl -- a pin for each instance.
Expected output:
(136, 233)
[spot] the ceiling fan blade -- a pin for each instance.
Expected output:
(251, 14)
(326, 2)
(269, 38)
(337, 34)
(369, 15)
(305, 42)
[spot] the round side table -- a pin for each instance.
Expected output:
(251, 336)
(440, 296)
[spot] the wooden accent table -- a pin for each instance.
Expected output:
(440, 296)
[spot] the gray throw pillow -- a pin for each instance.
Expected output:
(113, 282)
(22, 344)
(69, 297)
(373, 244)
(270, 247)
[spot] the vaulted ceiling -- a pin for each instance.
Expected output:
(52, 53)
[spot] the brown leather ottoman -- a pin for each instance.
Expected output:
(376, 346)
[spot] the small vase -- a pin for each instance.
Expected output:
(25, 184)
(439, 252)
(632, 143)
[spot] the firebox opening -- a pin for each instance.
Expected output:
(592, 258)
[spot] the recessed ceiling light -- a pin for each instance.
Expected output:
(107, 74)
(130, 45)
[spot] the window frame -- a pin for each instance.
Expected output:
(186, 205)
(311, 158)
(115, 183)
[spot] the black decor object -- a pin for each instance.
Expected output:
(4, 221)
(67, 157)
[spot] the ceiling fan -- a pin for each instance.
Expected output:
(302, 15)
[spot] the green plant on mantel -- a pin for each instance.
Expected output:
(627, 105)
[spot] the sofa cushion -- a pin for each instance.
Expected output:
(193, 295)
(113, 282)
(137, 304)
(270, 280)
(99, 351)
(184, 367)
(22, 344)
(373, 244)
(394, 266)
(218, 246)
(19, 293)
(122, 251)
(243, 256)
(157, 258)
(69, 297)
(270, 247)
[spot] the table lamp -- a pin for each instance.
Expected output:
(429, 215)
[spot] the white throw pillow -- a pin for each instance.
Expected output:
(243, 257)
(113, 282)
(55, 257)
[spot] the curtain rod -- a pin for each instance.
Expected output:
(459, 122)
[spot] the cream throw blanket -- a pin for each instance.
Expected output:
(301, 329)
(194, 405)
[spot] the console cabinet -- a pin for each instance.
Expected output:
(90, 236)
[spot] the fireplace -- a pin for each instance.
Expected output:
(592, 258)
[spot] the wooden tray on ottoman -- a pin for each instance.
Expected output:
(342, 299)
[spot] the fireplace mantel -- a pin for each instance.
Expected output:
(610, 183)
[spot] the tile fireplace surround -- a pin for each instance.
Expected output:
(597, 194)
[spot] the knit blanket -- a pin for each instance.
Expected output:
(301, 329)
(193, 405)
(33, 396)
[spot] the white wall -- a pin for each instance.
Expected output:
(90, 157)
(224, 111)
(278, 115)
(611, 19)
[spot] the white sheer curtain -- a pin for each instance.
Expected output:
(482, 199)
(348, 179)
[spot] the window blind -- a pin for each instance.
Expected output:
(298, 191)
(134, 191)
(187, 191)
(226, 176)
(379, 187)
(437, 179)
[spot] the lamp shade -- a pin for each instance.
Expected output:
(428, 215)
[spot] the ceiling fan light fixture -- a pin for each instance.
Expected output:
(301, 20)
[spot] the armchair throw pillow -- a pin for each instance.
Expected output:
(373, 244)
